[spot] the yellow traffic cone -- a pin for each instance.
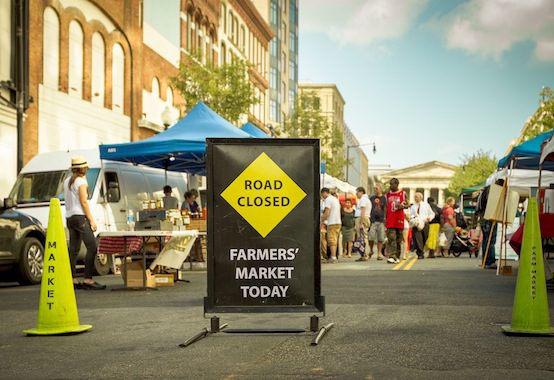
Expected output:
(530, 315)
(57, 310)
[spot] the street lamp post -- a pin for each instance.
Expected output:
(348, 147)
(167, 117)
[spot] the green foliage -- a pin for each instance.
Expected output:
(225, 89)
(543, 118)
(475, 169)
(308, 122)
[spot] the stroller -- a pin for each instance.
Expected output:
(464, 242)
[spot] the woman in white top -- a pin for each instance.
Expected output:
(80, 222)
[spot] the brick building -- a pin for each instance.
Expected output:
(99, 70)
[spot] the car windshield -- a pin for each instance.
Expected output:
(40, 187)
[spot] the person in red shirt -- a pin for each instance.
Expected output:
(449, 226)
(394, 221)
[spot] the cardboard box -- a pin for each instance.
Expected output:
(164, 279)
(134, 275)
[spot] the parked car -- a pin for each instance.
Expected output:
(21, 244)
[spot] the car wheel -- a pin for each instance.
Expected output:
(31, 261)
(102, 264)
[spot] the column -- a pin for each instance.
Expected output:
(440, 201)
(412, 194)
(426, 194)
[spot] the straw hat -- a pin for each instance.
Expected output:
(78, 162)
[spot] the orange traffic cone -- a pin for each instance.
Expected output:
(530, 315)
(57, 310)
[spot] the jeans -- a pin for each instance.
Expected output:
(80, 230)
(486, 227)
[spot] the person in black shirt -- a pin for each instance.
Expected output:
(377, 231)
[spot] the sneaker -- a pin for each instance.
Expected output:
(332, 260)
(391, 260)
(396, 261)
(78, 285)
(93, 286)
(380, 258)
(363, 258)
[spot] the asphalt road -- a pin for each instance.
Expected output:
(439, 319)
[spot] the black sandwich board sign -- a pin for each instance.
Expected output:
(263, 226)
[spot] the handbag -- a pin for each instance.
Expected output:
(359, 243)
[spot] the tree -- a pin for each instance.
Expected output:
(474, 169)
(307, 121)
(543, 118)
(226, 89)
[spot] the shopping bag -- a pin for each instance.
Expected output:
(442, 240)
(359, 243)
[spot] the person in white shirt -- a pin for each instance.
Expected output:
(361, 215)
(420, 216)
(331, 217)
(80, 222)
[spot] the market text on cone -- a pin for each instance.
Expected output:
(57, 311)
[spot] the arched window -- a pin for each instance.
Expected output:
(98, 69)
(118, 78)
(51, 49)
(155, 87)
(75, 59)
(169, 96)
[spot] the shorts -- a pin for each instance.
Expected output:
(377, 232)
(449, 232)
(333, 232)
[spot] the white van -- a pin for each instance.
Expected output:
(126, 187)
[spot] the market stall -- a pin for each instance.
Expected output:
(181, 148)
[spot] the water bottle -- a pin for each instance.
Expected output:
(131, 220)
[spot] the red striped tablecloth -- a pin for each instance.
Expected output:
(111, 245)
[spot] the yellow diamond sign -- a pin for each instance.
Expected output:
(263, 194)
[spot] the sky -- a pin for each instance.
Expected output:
(430, 79)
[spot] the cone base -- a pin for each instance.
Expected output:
(60, 331)
(508, 330)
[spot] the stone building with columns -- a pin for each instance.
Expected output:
(430, 178)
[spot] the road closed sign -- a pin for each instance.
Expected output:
(263, 226)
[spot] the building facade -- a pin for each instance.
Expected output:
(244, 34)
(100, 71)
(430, 178)
(282, 16)
(332, 107)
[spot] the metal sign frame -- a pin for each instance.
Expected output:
(307, 208)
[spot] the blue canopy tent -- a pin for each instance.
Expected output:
(181, 148)
(254, 131)
(527, 155)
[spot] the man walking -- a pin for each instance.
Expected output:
(377, 218)
(331, 217)
(361, 216)
(394, 220)
(420, 214)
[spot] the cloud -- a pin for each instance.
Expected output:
(491, 27)
(360, 22)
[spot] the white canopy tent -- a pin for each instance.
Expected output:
(335, 183)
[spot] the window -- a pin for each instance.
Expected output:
(169, 96)
(155, 87)
(75, 59)
(189, 32)
(273, 13)
(224, 17)
(112, 188)
(51, 49)
(98, 70)
(242, 38)
(272, 110)
(273, 78)
(5, 36)
(223, 54)
(292, 42)
(273, 47)
(118, 78)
